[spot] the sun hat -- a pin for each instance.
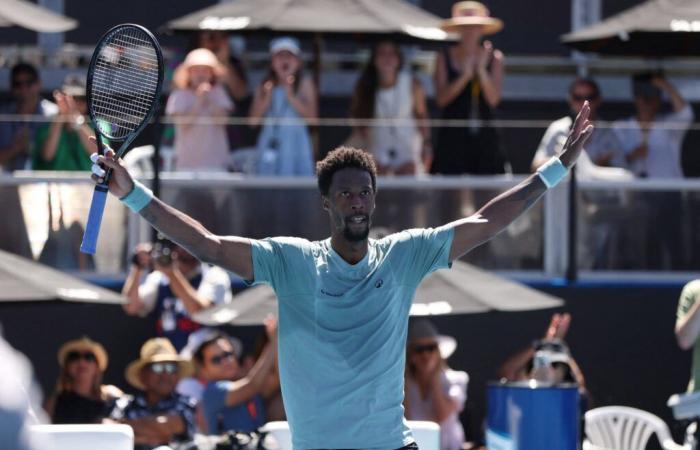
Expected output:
(84, 344)
(471, 13)
(199, 337)
(423, 329)
(153, 351)
(287, 43)
(197, 57)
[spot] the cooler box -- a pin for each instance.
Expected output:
(531, 416)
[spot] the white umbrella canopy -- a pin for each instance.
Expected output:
(23, 280)
(34, 17)
(464, 289)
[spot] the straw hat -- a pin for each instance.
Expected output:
(84, 344)
(423, 328)
(471, 13)
(153, 351)
(197, 57)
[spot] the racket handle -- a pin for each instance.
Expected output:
(92, 229)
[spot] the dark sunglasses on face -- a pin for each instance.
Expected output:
(583, 98)
(425, 348)
(87, 356)
(22, 83)
(218, 359)
(167, 367)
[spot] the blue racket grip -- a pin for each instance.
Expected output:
(92, 229)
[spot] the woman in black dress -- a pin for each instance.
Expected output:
(468, 85)
(80, 396)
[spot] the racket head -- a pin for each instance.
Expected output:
(124, 82)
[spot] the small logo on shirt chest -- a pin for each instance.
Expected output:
(379, 283)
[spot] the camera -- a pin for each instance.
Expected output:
(161, 254)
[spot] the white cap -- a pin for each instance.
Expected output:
(285, 43)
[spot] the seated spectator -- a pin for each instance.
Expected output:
(199, 100)
(65, 143)
(603, 147)
(271, 391)
(288, 99)
(16, 137)
(434, 392)
(547, 360)
(159, 415)
(80, 396)
(230, 403)
(178, 287)
(386, 92)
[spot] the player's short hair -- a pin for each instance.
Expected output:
(343, 158)
(23, 67)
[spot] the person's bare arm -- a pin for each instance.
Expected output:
(305, 101)
(688, 327)
(156, 430)
(443, 405)
(420, 112)
(677, 101)
(500, 212)
(490, 72)
(446, 91)
(181, 287)
(229, 252)
(261, 103)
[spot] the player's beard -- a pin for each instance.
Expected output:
(357, 233)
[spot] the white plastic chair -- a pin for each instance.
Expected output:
(426, 434)
(625, 428)
(84, 437)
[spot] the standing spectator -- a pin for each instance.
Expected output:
(197, 102)
(17, 137)
(602, 149)
(158, 415)
(652, 141)
(468, 85)
(80, 396)
(178, 287)
(386, 92)
(288, 100)
(233, 76)
(228, 404)
(434, 392)
(65, 143)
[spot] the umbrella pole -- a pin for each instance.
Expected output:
(572, 268)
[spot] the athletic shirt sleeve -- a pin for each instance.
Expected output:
(280, 261)
(420, 252)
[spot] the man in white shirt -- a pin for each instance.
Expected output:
(651, 141)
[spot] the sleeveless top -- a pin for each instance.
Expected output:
(284, 146)
(470, 149)
(395, 144)
(73, 408)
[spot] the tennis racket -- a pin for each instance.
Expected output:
(123, 87)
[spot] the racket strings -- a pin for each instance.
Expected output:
(125, 82)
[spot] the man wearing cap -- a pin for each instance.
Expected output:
(16, 138)
(159, 415)
(64, 144)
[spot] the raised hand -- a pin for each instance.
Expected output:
(485, 56)
(579, 134)
(120, 181)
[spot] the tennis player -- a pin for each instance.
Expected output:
(344, 301)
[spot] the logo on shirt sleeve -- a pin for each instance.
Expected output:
(379, 283)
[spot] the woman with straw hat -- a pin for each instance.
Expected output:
(468, 85)
(198, 101)
(80, 396)
(434, 392)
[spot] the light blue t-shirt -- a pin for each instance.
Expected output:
(342, 334)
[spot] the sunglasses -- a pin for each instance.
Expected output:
(218, 359)
(425, 348)
(75, 356)
(22, 83)
(583, 98)
(159, 368)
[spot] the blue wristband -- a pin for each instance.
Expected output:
(552, 172)
(138, 198)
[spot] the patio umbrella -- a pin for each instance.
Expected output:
(23, 280)
(330, 17)
(653, 28)
(34, 17)
(464, 289)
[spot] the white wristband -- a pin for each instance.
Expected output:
(552, 172)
